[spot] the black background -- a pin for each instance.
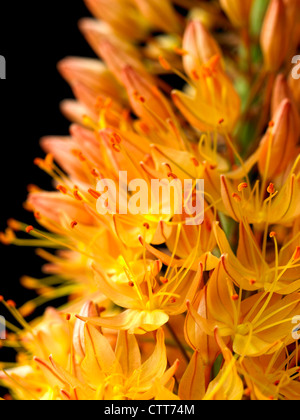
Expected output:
(34, 36)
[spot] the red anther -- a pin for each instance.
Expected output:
(1, 298)
(171, 175)
(37, 214)
(164, 63)
(236, 197)
(62, 189)
(252, 282)
(94, 193)
(297, 254)
(74, 224)
(142, 99)
(271, 188)
(242, 186)
(235, 297)
(29, 229)
(11, 303)
(271, 124)
(38, 161)
(276, 383)
(68, 317)
(146, 225)
(117, 138)
(164, 280)
(173, 300)
(131, 284)
(195, 75)
(95, 173)
(273, 234)
(195, 161)
(79, 155)
(221, 121)
(77, 196)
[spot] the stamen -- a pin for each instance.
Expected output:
(94, 193)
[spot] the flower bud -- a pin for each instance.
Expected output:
(282, 91)
(294, 85)
(278, 146)
(89, 310)
(292, 9)
(200, 46)
(274, 36)
(238, 11)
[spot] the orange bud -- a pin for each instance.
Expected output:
(89, 310)
(238, 11)
(282, 91)
(278, 146)
(200, 47)
(294, 85)
(274, 41)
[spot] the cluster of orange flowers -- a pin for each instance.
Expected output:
(159, 309)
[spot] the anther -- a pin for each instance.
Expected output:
(271, 188)
(164, 280)
(235, 297)
(146, 225)
(195, 161)
(74, 224)
(236, 197)
(29, 229)
(11, 303)
(94, 193)
(242, 186)
(297, 254)
(273, 234)
(77, 195)
(163, 62)
(62, 189)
